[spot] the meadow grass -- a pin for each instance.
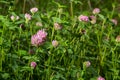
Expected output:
(71, 42)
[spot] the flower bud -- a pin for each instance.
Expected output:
(55, 43)
(12, 18)
(87, 63)
(33, 64)
(33, 10)
(96, 11)
(17, 17)
(57, 26)
(27, 17)
(83, 18)
(114, 21)
(118, 38)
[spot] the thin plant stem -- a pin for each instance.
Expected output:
(71, 9)
(24, 5)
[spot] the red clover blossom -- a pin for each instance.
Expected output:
(96, 11)
(33, 10)
(38, 38)
(33, 64)
(55, 43)
(27, 17)
(83, 18)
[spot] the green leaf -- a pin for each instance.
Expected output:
(5, 76)
(26, 57)
(101, 16)
(93, 78)
(22, 52)
(25, 68)
(19, 22)
(6, 2)
(55, 19)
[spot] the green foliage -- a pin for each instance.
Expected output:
(79, 42)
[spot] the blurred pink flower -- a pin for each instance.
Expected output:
(96, 11)
(27, 16)
(42, 34)
(57, 26)
(33, 64)
(93, 19)
(100, 78)
(33, 10)
(83, 18)
(55, 43)
(114, 21)
(38, 38)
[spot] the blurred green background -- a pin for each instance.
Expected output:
(22, 6)
(44, 6)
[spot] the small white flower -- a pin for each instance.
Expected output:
(17, 17)
(12, 18)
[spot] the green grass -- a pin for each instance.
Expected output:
(79, 42)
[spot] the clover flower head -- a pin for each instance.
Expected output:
(55, 43)
(38, 38)
(33, 64)
(42, 34)
(33, 10)
(96, 11)
(27, 16)
(13, 18)
(114, 21)
(92, 17)
(57, 26)
(87, 63)
(83, 18)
